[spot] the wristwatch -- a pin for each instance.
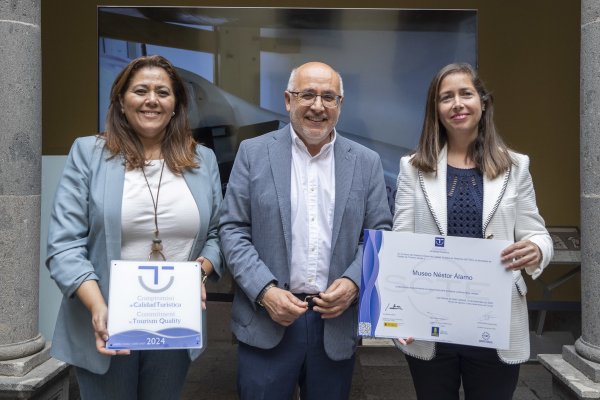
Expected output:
(261, 295)
(203, 275)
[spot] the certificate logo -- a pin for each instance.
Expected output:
(485, 336)
(435, 331)
(157, 278)
(439, 241)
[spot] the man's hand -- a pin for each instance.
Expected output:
(283, 307)
(336, 299)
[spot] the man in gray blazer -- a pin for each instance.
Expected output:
(291, 229)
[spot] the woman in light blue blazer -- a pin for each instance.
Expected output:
(464, 181)
(141, 188)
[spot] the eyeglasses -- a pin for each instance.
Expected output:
(308, 99)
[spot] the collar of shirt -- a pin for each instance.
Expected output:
(299, 144)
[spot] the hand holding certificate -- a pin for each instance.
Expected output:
(436, 288)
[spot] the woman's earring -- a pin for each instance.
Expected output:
(173, 114)
(122, 110)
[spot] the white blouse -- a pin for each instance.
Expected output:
(178, 216)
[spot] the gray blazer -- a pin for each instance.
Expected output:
(84, 235)
(255, 231)
(509, 212)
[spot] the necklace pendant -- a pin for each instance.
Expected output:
(155, 254)
(156, 250)
(156, 245)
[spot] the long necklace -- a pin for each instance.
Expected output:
(156, 248)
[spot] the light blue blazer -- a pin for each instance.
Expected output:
(256, 231)
(84, 235)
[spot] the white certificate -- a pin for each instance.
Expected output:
(154, 305)
(437, 288)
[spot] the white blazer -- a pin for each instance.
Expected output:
(509, 212)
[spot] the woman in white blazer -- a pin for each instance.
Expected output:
(143, 187)
(464, 181)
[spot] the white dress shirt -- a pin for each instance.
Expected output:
(312, 195)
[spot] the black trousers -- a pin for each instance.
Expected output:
(482, 373)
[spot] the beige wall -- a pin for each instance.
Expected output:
(528, 56)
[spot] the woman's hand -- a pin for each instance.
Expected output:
(208, 268)
(99, 318)
(406, 341)
(90, 295)
(522, 254)
(203, 296)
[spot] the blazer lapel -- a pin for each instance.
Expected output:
(113, 199)
(280, 159)
(434, 188)
(344, 172)
(493, 190)
(199, 193)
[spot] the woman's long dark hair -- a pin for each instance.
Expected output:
(178, 148)
(488, 151)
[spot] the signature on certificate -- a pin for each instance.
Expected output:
(393, 306)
